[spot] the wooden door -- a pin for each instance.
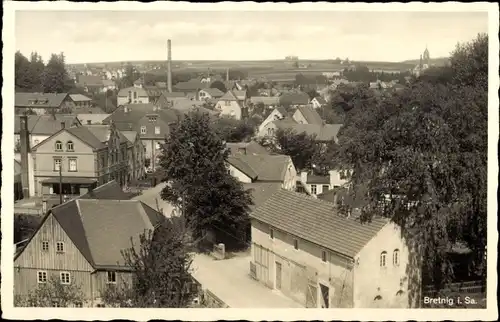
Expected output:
(325, 296)
(278, 276)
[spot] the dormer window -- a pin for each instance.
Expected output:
(383, 259)
(69, 146)
(59, 146)
(152, 119)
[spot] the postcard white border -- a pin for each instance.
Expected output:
(490, 313)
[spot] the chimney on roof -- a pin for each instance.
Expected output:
(303, 177)
(25, 150)
(63, 125)
(125, 109)
(169, 66)
(89, 122)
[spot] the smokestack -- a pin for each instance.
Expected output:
(25, 149)
(63, 125)
(169, 66)
(227, 75)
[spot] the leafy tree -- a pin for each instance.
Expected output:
(129, 77)
(325, 158)
(232, 130)
(422, 155)
(25, 226)
(312, 93)
(160, 270)
(219, 85)
(23, 77)
(194, 161)
(37, 68)
(51, 294)
(301, 147)
(55, 78)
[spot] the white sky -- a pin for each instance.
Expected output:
(101, 36)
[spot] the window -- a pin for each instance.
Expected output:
(59, 146)
(78, 304)
(143, 130)
(313, 189)
(383, 257)
(42, 276)
(157, 130)
(45, 245)
(65, 278)
(57, 164)
(323, 256)
(112, 277)
(296, 244)
(129, 94)
(270, 131)
(69, 146)
(135, 95)
(152, 119)
(55, 304)
(72, 165)
(271, 233)
(325, 188)
(60, 247)
(395, 257)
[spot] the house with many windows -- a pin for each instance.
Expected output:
(70, 244)
(150, 122)
(43, 103)
(316, 185)
(305, 249)
(76, 159)
(232, 104)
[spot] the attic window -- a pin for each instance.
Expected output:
(45, 245)
(69, 146)
(60, 247)
(383, 259)
(59, 146)
(296, 244)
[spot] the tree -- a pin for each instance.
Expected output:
(301, 147)
(129, 77)
(37, 68)
(219, 85)
(422, 155)
(194, 162)
(51, 294)
(23, 77)
(325, 158)
(312, 93)
(232, 130)
(160, 270)
(55, 77)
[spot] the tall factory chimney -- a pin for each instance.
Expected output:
(25, 149)
(169, 66)
(227, 75)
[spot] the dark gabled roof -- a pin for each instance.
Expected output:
(39, 100)
(317, 221)
(266, 100)
(313, 179)
(310, 114)
(110, 191)
(261, 191)
(251, 147)
(84, 134)
(294, 98)
(324, 133)
(101, 229)
(45, 124)
(229, 96)
(261, 167)
(191, 85)
(214, 92)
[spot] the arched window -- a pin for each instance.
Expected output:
(69, 146)
(395, 257)
(59, 146)
(383, 259)
(377, 298)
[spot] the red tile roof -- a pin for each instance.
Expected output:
(317, 221)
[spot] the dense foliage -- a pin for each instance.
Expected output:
(160, 271)
(194, 162)
(232, 130)
(422, 154)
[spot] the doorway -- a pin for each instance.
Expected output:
(325, 296)
(278, 276)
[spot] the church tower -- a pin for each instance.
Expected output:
(427, 57)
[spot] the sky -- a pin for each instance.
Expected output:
(106, 36)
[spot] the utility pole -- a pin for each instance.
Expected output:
(60, 184)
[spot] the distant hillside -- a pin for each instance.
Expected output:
(440, 61)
